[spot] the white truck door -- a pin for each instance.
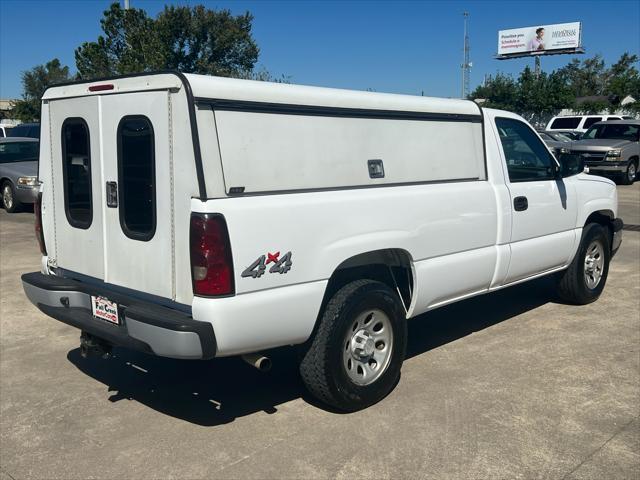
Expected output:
(75, 189)
(137, 170)
(544, 209)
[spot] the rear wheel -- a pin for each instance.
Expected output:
(355, 356)
(9, 200)
(586, 276)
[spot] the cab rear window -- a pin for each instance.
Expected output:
(76, 172)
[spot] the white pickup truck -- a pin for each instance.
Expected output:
(196, 217)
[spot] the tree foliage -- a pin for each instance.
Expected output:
(498, 92)
(34, 83)
(189, 39)
(624, 79)
(539, 96)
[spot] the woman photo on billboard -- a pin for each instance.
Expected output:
(537, 43)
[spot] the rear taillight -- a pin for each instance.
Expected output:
(211, 262)
(37, 210)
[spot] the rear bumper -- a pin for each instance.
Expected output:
(145, 326)
(617, 236)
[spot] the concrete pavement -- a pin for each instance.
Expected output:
(507, 385)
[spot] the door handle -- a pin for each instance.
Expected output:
(112, 194)
(520, 204)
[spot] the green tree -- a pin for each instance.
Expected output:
(34, 83)
(189, 39)
(537, 97)
(540, 96)
(498, 92)
(624, 80)
(586, 78)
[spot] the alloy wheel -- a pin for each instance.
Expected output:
(7, 197)
(368, 347)
(594, 264)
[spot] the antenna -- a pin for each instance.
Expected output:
(466, 63)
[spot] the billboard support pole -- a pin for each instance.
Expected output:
(538, 69)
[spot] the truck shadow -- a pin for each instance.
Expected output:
(210, 393)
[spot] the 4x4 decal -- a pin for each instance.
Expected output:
(259, 267)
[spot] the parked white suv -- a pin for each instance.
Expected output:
(579, 123)
(197, 217)
(5, 130)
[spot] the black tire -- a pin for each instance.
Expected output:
(322, 367)
(630, 173)
(572, 285)
(13, 205)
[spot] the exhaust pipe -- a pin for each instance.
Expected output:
(258, 361)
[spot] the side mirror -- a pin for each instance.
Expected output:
(570, 163)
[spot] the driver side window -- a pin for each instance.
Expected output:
(528, 159)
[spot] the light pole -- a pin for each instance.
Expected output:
(466, 62)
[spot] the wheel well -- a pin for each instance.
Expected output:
(390, 266)
(604, 218)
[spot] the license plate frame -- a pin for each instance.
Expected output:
(105, 310)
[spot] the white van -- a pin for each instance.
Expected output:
(196, 217)
(578, 123)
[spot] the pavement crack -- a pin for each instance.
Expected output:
(588, 457)
(7, 473)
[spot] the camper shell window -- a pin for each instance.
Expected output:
(76, 172)
(136, 177)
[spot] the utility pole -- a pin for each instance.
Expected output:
(466, 63)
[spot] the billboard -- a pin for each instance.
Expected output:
(539, 40)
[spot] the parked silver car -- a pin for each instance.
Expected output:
(552, 142)
(18, 172)
(611, 149)
(558, 136)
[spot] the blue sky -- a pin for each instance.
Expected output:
(402, 46)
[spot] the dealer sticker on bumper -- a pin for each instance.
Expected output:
(105, 309)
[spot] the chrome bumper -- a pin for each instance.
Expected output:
(145, 326)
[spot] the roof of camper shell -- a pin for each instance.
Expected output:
(221, 88)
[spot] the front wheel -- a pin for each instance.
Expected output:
(586, 276)
(630, 174)
(9, 200)
(356, 353)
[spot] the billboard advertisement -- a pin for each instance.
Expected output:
(539, 40)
